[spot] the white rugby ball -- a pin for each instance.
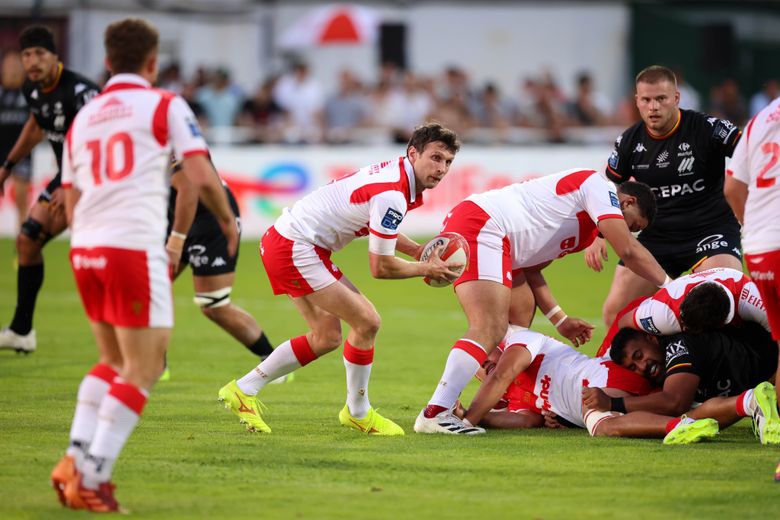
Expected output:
(453, 249)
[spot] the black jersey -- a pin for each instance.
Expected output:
(13, 115)
(728, 361)
(685, 169)
(55, 108)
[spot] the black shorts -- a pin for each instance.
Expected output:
(55, 183)
(679, 256)
(205, 249)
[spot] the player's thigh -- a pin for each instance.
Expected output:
(205, 284)
(143, 350)
(486, 305)
(722, 260)
(343, 300)
(108, 346)
(626, 286)
(523, 304)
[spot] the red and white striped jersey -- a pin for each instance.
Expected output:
(117, 154)
(557, 373)
(660, 314)
(372, 201)
(756, 162)
(552, 216)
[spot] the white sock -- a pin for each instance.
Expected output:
(460, 368)
(118, 416)
(92, 390)
(357, 388)
(280, 362)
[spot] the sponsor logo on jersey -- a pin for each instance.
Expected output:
(391, 219)
(762, 275)
(711, 120)
(34, 94)
(674, 190)
(218, 262)
(724, 387)
(89, 262)
(194, 128)
(723, 129)
(613, 198)
(711, 243)
(197, 256)
(618, 140)
(686, 166)
(113, 108)
(751, 299)
(684, 150)
(613, 159)
(639, 148)
(649, 326)
(59, 122)
(684, 147)
(675, 350)
(544, 394)
(661, 160)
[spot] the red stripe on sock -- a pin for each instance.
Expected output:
(672, 423)
(129, 395)
(472, 350)
(741, 405)
(302, 350)
(104, 372)
(358, 356)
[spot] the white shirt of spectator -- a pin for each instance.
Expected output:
(372, 201)
(756, 162)
(301, 99)
(117, 154)
(552, 216)
(660, 314)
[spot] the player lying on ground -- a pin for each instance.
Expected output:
(512, 234)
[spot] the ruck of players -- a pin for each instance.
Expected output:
(692, 339)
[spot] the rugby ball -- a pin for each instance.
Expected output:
(453, 250)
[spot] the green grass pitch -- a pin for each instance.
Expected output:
(191, 458)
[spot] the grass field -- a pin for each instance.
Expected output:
(191, 458)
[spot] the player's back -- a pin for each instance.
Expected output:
(549, 217)
(338, 212)
(756, 162)
(118, 151)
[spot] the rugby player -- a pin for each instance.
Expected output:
(54, 95)
(681, 155)
(296, 254)
(513, 233)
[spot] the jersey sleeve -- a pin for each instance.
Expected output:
(618, 167)
(83, 94)
(723, 136)
(186, 137)
(386, 211)
(678, 357)
(751, 306)
(621, 378)
(655, 317)
(600, 199)
(738, 166)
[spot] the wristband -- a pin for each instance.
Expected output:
(560, 322)
(618, 404)
(667, 281)
(552, 312)
(8, 164)
(178, 235)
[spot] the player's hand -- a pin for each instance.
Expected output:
(230, 230)
(4, 174)
(57, 202)
(576, 330)
(595, 253)
(438, 269)
(551, 420)
(174, 246)
(458, 410)
(596, 399)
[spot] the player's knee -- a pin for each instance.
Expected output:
(213, 303)
(369, 324)
(31, 238)
(327, 340)
(599, 424)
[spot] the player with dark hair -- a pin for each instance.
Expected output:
(54, 95)
(681, 154)
(705, 308)
(296, 254)
(116, 183)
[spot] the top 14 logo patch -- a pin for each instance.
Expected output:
(392, 219)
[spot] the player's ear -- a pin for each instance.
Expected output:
(108, 65)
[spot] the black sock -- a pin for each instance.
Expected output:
(262, 347)
(29, 279)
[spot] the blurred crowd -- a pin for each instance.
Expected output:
(295, 108)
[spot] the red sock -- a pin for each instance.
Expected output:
(302, 350)
(672, 424)
(432, 410)
(741, 405)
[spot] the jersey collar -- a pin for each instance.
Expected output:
(409, 170)
(126, 81)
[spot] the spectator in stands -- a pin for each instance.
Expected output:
(220, 102)
(689, 98)
(589, 108)
(417, 103)
(170, 78)
(346, 110)
(300, 95)
(543, 105)
(490, 110)
(763, 97)
(262, 114)
(728, 103)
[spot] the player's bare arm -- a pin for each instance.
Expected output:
(633, 254)
(408, 246)
(574, 329)
(674, 399)
(184, 215)
(201, 173)
(72, 195)
(511, 363)
(596, 254)
(392, 267)
(30, 136)
(736, 193)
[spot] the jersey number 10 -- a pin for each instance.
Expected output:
(119, 157)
